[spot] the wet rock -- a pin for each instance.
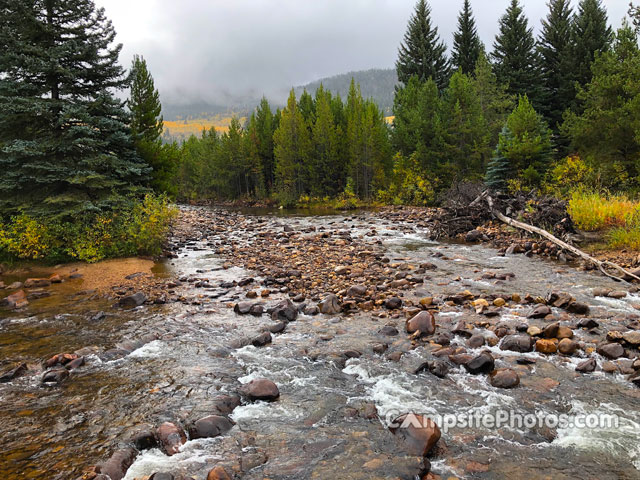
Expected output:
(587, 366)
(98, 317)
(55, 376)
(551, 331)
(609, 367)
(619, 294)
(262, 340)
(442, 338)
(393, 303)
(218, 473)
(564, 332)
(257, 309)
(635, 379)
(13, 373)
(170, 437)
(243, 308)
(588, 323)
(611, 350)
(517, 343)
(474, 236)
(424, 322)
(37, 283)
(417, 433)
(357, 291)
(389, 331)
(15, 300)
(483, 363)
(116, 467)
(540, 312)
(632, 337)
(559, 299)
(547, 346)
(567, 346)
(278, 327)
(76, 363)
(379, 347)
(601, 292)
(132, 301)
(462, 330)
(330, 305)
(210, 427)
(144, 438)
(284, 310)
(260, 389)
(504, 378)
(225, 404)
(476, 341)
(161, 476)
(15, 286)
(578, 308)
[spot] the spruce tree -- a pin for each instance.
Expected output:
(265, 127)
(467, 45)
(556, 61)
(327, 173)
(65, 144)
(514, 55)
(422, 53)
(592, 35)
(499, 169)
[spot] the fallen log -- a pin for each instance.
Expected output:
(565, 246)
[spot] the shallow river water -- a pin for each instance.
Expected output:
(53, 433)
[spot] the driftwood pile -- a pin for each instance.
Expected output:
(467, 208)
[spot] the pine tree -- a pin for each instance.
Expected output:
(422, 53)
(592, 35)
(65, 143)
(265, 127)
(515, 57)
(292, 146)
(556, 61)
(499, 169)
(467, 45)
(327, 174)
(147, 126)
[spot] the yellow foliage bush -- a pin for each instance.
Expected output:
(593, 211)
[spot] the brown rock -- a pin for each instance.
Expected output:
(611, 350)
(587, 366)
(170, 437)
(546, 346)
(540, 312)
(567, 346)
(218, 473)
(260, 389)
(418, 434)
(424, 322)
(37, 283)
(504, 378)
(210, 427)
(116, 467)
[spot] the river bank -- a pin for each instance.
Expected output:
(356, 319)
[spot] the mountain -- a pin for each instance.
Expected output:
(377, 83)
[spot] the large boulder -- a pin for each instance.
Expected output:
(170, 437)
(210, 427)
(611, 350)
(284, 310)
(424, 322)
(116, 467)
(517, 343)
(330, 305)
(260, 389)
(132, 301)
(417, 433)
(483, 363)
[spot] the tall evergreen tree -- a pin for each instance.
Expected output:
(65, 144)
(422, 53)
(556, 61)
(327, 171)
(592, 35)
(514, 55)
(265, 127)
(467, 45)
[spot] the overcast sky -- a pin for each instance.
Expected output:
(210, 49)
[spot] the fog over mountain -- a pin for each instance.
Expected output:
(228, 54)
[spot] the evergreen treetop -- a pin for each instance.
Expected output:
(422, 53)
(144, 103)
(592, 35)
(467, 45)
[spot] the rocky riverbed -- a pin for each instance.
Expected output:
(285, 347)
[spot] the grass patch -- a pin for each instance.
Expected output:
(619, 238)
(593, 212)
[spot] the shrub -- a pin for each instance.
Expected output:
(593, 211)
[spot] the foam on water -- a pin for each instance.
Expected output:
(152, 349)
(265, 410)
(193, 454)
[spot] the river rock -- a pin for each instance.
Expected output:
(132, 301)
(284, 310)
(547, 345)
(587, 366)
(483, 363)
(559, 299)
(567, 346)
(37, 283)
(242, 308)
(162, 476)
(13, 373)
(261, 340)
(393, 303)
(578, 308)
(588, 323)
(389, 331)
(551, 331)
(540, 312)
(330, 305)
(260, 389)
(15, 300)
(611, 350)
(278, 327)
(210, 427)
(601, 292)
(170, 437)
(218, 473)
(116, 467)
(504, 378)
(424, 322)
(55, 376)
(632, 337)
(417, 433)
(618, 294)
(357, 291)
(144, 438)
(474, 236)
(225, 404)
(517, 343)
(476, 341)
